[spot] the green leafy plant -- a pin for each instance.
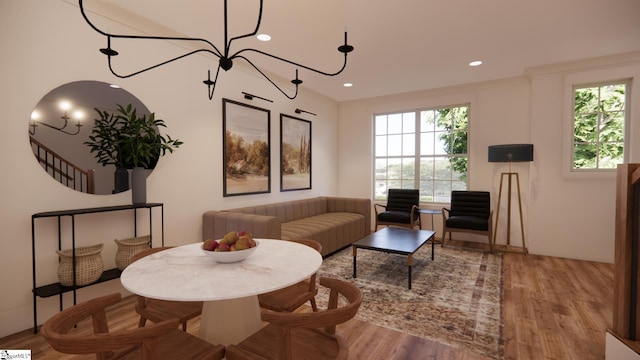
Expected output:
(126, 140)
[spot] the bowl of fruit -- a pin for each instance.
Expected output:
(233, 247)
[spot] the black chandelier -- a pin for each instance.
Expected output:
(226, 59)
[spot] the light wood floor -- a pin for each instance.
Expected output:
(553, 309)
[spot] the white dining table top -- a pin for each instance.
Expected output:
(185, 273)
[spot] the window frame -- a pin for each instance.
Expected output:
(580, 78)
(417, 157)
(600, 84)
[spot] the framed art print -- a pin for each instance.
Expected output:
(295, 153)
(246, 149)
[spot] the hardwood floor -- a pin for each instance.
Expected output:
(553, 309)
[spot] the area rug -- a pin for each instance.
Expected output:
(455, 300)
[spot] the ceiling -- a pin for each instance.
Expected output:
(400, 45)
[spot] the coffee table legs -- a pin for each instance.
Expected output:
(355, 250)
(409, 265)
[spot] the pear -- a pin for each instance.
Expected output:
(243, 243)
(230, 237)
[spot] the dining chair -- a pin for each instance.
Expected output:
(161, 340)
(401, 209)
(470, 212)
(160, 310)
(303, 335)
(294, 296)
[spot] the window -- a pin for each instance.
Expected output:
(599, 118)
(423, 149)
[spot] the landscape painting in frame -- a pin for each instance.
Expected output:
(246, 149)
(295, 153)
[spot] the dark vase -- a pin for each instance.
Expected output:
(139, 185)
(120, 180)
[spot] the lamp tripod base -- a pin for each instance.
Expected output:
(508, 247)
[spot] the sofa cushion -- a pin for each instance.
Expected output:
(334, 230)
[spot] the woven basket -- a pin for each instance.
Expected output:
(129, 247)
(89, 265)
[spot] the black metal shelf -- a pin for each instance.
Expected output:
(57, 288)
(49, 290)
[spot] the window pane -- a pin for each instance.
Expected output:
(612, 97)
(612, 127)
(394, 168)
(408, 169)
(586, 100)
(381, 125)
(427, 141)
(409, 122)
(381, 169)
(584, 156)
(427, 122)
(443, 143)
(395, 145)
(585, 127)
(408, 145)
(381, 146)
(395, 124)
(610, 155)
(426, 168)
(381, 190)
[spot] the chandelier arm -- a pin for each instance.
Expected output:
(269, 80)
(159, 64)
(146, 37)
(344, 65)
(211, 85)
(255, 31)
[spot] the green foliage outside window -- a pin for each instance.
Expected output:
(599, 126)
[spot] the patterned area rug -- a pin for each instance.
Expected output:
(455, 300)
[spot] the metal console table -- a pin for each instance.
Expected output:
(110, 274)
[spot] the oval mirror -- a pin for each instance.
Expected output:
(60, 125)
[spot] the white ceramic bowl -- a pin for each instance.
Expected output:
(230, 256)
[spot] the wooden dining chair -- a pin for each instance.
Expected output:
(161, 340)
(160, 310)
(294, 296)
(303, 335)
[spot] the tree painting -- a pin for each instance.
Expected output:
(246, 149)
(295, 153)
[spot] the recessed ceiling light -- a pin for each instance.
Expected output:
(475, 63)
(264, 37)
(347, 85)
(114, 86)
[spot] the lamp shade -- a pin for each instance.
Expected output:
(511, 153)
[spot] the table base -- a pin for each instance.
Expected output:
(230, 321)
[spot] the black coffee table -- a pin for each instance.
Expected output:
(397, 241)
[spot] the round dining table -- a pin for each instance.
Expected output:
(229, 291)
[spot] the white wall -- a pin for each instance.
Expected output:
(564, 216)
(47, 44)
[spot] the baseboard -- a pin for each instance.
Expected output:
(617, 349)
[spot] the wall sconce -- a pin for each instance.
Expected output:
(65, 106)
(251, 96)
(299, 111)
(510, 153)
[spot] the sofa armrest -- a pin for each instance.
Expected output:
(355, 205)
(217, 223)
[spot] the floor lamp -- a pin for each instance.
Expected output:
(510, 153)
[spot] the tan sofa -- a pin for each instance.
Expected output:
(335, 222)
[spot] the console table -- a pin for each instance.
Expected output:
(110, 274)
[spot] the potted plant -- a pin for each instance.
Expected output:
(128, 140)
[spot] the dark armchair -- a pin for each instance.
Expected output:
(470, 212)
(401, 209)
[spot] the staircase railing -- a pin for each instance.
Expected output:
(64, 171)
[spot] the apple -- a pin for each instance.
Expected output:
(222, 247)
(210, 244)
